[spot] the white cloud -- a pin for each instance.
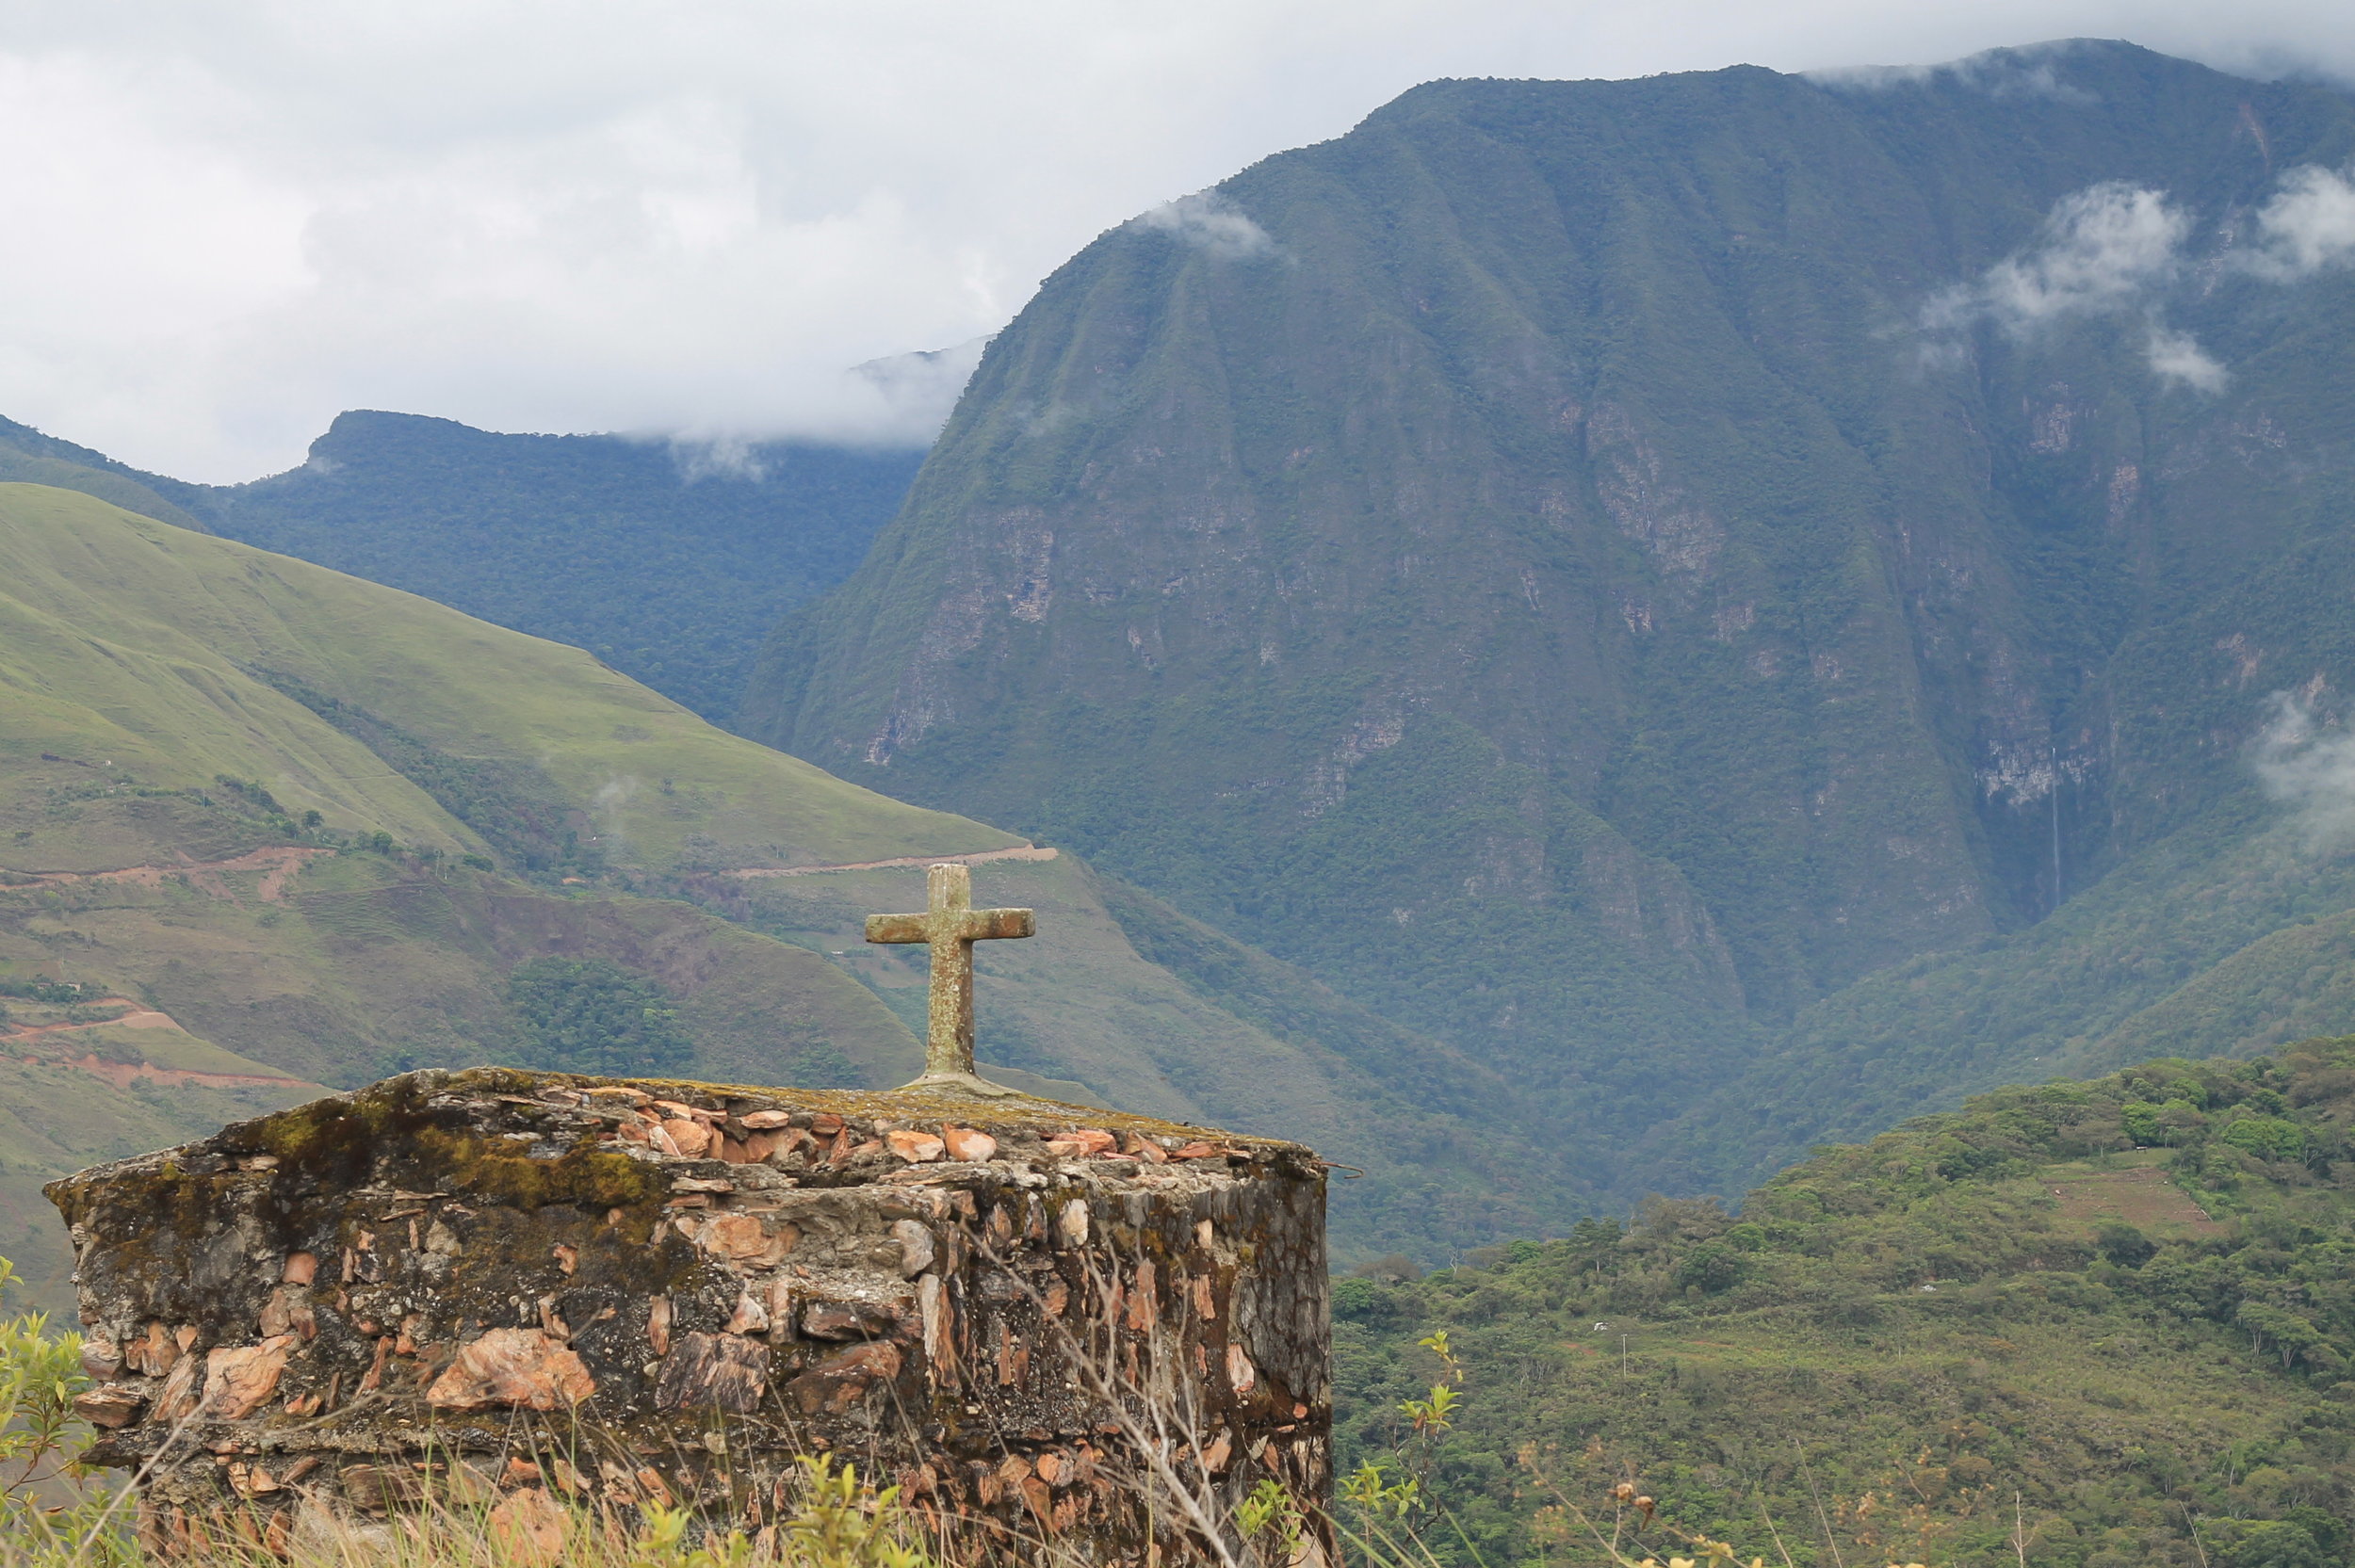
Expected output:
(2308, 225)
(919, 389)
(2109, 250)
(229, 222)
(720, 456)
(2035, 72)
(2102, 249)
(1210, 222)
(2175, 357)
(2310, 767)
(2114, 249)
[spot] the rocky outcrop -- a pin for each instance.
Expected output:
(1043, 1323)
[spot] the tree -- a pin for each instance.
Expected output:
(590, 1015)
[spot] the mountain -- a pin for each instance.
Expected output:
(265, 827)
(1741, 602)
(28, 457)
(669, 560)
(2104, 1324)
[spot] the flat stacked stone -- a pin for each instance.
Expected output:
(538, 1285)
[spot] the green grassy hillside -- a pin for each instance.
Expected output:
(180, 658)
(319, 823)
(28, 457)
(2074, 1322)
(1663, 585)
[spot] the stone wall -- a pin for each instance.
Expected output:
(538, 1285)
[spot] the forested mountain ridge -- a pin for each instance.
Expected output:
(668, 559)
(29, 457)
(1599, 570)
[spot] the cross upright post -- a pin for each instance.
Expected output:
(949, 927)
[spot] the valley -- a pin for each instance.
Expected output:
(1730, 690)
(1553, 665)
(324, 828)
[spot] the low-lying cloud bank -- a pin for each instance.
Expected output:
(2308, 765)
(230, 221)
(1210, 222)
(2117, 248)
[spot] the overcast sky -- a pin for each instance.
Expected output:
(224, 220)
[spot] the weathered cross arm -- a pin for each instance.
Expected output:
(985, 924)
(972, 925)
(949, 926)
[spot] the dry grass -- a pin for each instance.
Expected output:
(838, 1522)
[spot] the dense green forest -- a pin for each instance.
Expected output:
(2076, 1321)
(591, 1015)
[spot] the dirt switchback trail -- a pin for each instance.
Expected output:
(122, 1074)
(138, 1018)
(277, 862)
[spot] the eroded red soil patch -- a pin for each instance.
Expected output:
(122, 1074)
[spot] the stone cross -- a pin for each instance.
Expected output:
(949, 926)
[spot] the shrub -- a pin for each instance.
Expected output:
(590, 1015)
(2123, 1244)
(2267, 1137)
(1711, 1268)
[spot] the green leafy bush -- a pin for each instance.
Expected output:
(2267, 1137)
(590, 1015)
(39, 1374)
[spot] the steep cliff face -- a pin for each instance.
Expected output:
(1596, 568)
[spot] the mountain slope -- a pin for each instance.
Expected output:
(2104, 1324)
(115, 619)
(28, 457)
(1597, 569)
(668, 562)
(319, 888)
